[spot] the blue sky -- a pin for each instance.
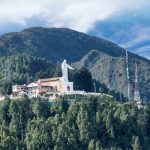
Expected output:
(126, 23)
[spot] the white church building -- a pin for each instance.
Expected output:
(56, 85)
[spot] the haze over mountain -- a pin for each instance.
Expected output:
(105, 60)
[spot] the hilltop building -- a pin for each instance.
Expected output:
(56, 85)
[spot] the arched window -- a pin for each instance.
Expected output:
(68, 88)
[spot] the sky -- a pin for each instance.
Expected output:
(126, 23)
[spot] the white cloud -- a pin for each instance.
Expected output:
(140, 42)
(144, 51)
(76, 14)
(140, 34)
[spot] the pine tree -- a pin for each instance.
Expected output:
(136, 143)
(83, 80)
(92, 145)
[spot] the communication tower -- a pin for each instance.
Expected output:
(128, 78)
(136, 89)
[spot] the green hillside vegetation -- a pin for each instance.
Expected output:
(104, 59)
(93, 123)
(24, 68)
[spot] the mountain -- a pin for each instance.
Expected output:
(105, 60)
(54, 44)
(111, 71)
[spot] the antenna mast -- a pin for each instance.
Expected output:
(136, 90)
(128, 78)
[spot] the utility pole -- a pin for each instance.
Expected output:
(94, 87)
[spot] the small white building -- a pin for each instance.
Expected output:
(18, 89)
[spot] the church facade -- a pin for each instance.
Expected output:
(49, 86)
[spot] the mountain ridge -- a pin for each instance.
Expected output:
(111, 71)
(57, 44)
(28, 39)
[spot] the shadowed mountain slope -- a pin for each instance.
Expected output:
(111, 71)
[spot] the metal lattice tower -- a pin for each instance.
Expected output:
(128, 78)
(136, 90)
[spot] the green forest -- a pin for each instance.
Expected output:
(73, 122)
(24, 69)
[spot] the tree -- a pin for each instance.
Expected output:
(85, 125)
(40, 108)
(92, 145)
(83, 80)
(4, 111)
(136, 143)
(98, 145)
(57, 72)
(6, 87)
(94, 123)
(109, 125)
(61, 105)
(144, 121)
(38, 136)
(9, 143)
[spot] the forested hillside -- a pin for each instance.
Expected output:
(104, 59)
(93, 123)
(24, 68)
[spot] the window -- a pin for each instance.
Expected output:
(68, 88)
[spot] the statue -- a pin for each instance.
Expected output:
(65, 67)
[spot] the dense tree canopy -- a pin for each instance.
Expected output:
(82, 80)
(24, 68)
(93, 123)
